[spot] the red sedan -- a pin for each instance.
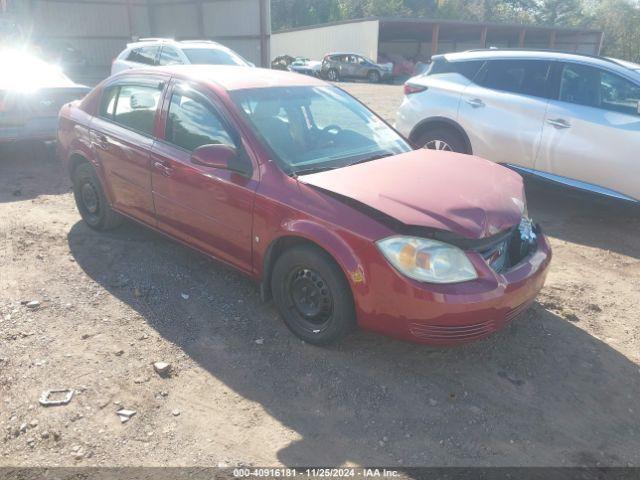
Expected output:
(300, 186)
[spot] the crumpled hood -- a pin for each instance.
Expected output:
(463, 194)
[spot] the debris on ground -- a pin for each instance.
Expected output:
(162, 368)
(125, 414)
(61, 397)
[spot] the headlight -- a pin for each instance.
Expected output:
(427, 260)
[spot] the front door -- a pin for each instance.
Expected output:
(503, 110)
(122, 136)
(210, 208)
(592, 131)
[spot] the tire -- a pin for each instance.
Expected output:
(313, 295)
(373, 76)
(332, 75)
(91, 201)
(442, 139)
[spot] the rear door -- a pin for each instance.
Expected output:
(122, 136)
(210, 208)
(592, 130)
(502, 111)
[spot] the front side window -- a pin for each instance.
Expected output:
(213, 56)
(597, 88)
(316, 128)
(169, 56)
(144, 55)
(136, 107)
(193, 122)
(527, 77)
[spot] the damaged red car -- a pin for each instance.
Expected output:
(300, 186)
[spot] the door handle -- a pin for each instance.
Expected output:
(558, 123)
(164, 169)
(475, 102)
(102, 141)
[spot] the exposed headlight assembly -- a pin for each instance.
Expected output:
(427, 260)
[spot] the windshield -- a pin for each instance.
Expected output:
(316, 128)
(213, 56)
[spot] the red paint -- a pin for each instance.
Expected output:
(222, 213)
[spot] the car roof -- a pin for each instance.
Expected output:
(237, 77)
(486, 54)
(144, 42)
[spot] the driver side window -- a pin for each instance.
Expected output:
(192, 122)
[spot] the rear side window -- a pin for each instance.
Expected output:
(169, 56)
(527, 77)
(467, 69)
(135, 107)
(108, 102)
(597, 88)
(144, 55)
(193, 122)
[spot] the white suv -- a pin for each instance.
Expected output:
(160, 51)
(570, 118)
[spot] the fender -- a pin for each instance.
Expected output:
(322, 236)
(443, 121)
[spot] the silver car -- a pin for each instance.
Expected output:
(573, 119)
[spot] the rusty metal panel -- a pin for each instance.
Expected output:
(231, 18)
(76, 19)
(176, 20)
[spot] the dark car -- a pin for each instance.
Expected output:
(31, 94)
(337, 66)
(301, 187)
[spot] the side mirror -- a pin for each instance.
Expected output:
(215, 155)
(142, 101)
(638, 107)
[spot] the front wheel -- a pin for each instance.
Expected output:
(442, 139)
(332, 75)
(373, 77)
(312, 295)
(91, 201)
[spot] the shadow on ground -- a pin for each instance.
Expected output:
(29, 170)
(584, 218)
(540, 392)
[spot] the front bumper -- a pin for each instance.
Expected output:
(432, 314)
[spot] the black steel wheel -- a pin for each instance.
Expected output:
(91, 200)
(312, 295)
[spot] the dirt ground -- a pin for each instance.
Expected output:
(559, 386)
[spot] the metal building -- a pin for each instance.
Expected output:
(101, 28)
(419, 39)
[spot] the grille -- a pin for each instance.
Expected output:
(461, 333)
(451, 332)
(513, 248)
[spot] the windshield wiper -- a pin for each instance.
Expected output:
(371, 158)
(310, 170)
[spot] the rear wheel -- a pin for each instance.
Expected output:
(442, 139)
(312, 295)
(91, 201)
(373, 76)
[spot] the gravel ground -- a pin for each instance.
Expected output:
(559, 386)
